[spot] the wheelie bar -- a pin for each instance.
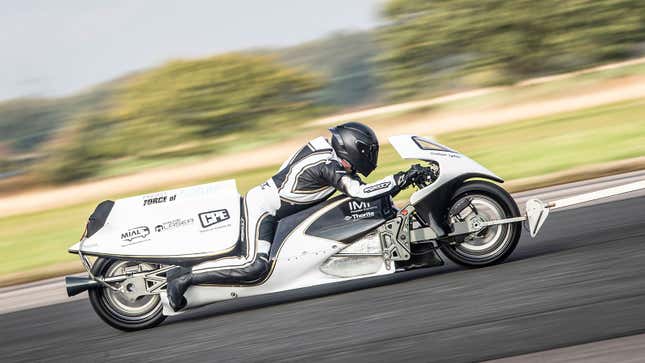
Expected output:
(537, 211)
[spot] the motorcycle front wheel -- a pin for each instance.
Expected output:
(121, 310)
(493, 244)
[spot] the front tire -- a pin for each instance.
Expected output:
(493, 244)
(115, 309)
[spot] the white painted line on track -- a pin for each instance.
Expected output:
(599, 194)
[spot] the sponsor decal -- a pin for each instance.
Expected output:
(175, 223)
(357, 206)
(211, 218)
(444, 153)
(137, 233)
(158, 199)
(378, 186)
(198, 191)
(359, 216)
(360, 210)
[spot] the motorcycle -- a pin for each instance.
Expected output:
(458, 209)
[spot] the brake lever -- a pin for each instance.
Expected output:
(424, 180)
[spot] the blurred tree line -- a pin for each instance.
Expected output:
(429, 44)
(421, 49)
(345, 60)
(182, 102)
(27, 123)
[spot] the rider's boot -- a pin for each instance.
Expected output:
(246, 274)
(179, 280)
(250, 273)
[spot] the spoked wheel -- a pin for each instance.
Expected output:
(486, 202)
(127, 308)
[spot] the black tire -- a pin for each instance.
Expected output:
(101, 303)
(509, 234)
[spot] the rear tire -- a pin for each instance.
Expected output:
(116, 310)
(493, 244)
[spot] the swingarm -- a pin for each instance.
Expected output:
(133, 283)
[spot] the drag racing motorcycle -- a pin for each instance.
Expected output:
(130, 244)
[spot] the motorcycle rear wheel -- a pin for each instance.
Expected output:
(493, 244)
(114, 308)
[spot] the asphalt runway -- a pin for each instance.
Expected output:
(582, 280)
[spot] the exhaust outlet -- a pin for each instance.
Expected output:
(75, 285)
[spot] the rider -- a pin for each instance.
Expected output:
(310, 176)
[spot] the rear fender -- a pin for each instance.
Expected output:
(179, 225)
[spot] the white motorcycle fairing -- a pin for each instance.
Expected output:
(197, 222)
(302, 260)
(453, 169)
(453, 165)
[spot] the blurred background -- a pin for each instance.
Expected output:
(101, 100)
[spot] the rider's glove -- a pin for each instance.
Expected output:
(417, 174)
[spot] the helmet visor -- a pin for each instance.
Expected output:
(369, 154)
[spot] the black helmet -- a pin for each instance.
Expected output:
(357, 144)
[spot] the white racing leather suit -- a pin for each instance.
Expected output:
(309, 177)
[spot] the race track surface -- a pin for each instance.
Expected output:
(582, 280)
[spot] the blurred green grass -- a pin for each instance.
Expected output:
(558, 142)
(515, 150)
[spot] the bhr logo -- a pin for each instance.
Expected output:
(213, 217)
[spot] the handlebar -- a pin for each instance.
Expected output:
(428, 176)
